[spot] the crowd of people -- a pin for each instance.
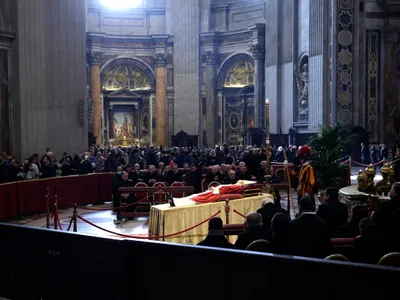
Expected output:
(309, 234)
(271, 229)
(108, 159)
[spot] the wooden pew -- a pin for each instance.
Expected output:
(155, 191)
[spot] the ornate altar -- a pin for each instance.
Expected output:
(127, 98)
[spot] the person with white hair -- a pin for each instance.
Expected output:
(254, 231)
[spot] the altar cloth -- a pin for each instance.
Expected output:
(166, 220)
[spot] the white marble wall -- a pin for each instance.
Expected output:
(186, 64)
(147, 19)
(286, 97)
(315, 93)
(271, 92)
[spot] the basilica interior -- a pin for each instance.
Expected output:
(181, 94)
(143, 74)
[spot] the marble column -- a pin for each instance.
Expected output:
(152, 119)
(391, 111)
(110, 128)
(96, 97)
(258, 52)
(210, 58)
(161, 99)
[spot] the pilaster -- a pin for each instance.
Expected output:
(95, 87)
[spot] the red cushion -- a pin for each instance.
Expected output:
(230, 197)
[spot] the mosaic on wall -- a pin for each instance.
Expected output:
(344, 66)
(125, 77)
(373, 67)
(240, 75)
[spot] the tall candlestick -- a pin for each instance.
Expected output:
(268, 149)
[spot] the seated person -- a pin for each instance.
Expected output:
(231, 178)
(116, 182)
(309, 235)
(174, 175)
(268, 210)
(125, 197)
(333, 212)
(383, 217)
(243, 173)
(215, 237)
(393, 237)
(214, 175)
(131, 174)
(152, 176)
(352, 228)
(136, 169)
(279, 244)
(254, 231)
(369, 246)
(260, 173)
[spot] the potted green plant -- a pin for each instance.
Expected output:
(328, 147)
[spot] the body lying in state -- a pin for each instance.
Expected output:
(214, 194)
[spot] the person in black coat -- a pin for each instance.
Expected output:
(48, 169)
(309, 235)
(5, 169)
(333, 212)
(116, 182)
(215, 237)
(352, 229)
(393, 237)
(383, 217)
(280, 226)
(269, 209)
(254, 231)
(370, 246)
(231, 177)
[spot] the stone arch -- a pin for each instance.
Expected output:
(228, 63)
(135, 62)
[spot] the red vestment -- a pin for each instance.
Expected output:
(232, 191)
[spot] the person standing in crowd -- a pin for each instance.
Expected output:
(48, 168)
(333, 212)
(364, 154)
(116, 182)
(306, 176)
(309, 235)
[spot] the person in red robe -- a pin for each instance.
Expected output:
(214, 194)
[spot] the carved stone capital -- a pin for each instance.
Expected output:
(160, 59)
(210, 57)
(258, 51)
(94, 58)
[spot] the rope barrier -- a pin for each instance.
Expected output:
(240, 214)
(105, 209)
(150, 237)
(363, 165)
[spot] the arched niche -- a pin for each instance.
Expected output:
(127, 85)
(241, 64)
(235, 87)
(127, 73)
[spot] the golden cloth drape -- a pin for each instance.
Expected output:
(165, 220)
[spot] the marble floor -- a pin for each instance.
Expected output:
(104, 219)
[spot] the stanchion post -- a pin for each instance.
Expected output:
(227, 210)
(55, 214)
(75, 217)
(48, 208)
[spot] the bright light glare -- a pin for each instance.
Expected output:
(118, 4)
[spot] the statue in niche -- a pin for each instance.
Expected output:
(301, 74)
